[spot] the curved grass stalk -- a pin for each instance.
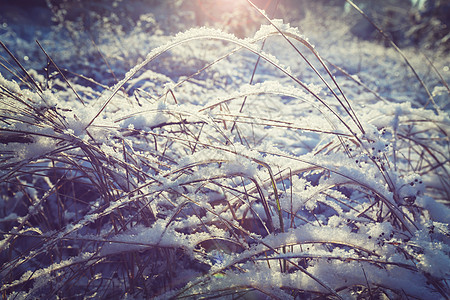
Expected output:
(208, 36)
(391, 42)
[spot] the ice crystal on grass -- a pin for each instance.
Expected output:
(183, 179)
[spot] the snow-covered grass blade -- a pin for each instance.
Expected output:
(176, 187)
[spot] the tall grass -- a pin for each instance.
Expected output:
(183, 189)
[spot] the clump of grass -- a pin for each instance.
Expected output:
(186, 190)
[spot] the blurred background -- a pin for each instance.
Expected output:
(103, 37)
(421, 23)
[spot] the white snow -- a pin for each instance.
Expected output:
(129, 189)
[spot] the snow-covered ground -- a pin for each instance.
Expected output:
(291, 153)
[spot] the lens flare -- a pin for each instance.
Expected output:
(215, 9)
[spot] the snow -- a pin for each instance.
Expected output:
(175, 176)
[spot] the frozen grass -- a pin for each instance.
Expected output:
(207, 186)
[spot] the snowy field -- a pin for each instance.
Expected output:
(199, 149)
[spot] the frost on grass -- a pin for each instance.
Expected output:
(202, 185)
